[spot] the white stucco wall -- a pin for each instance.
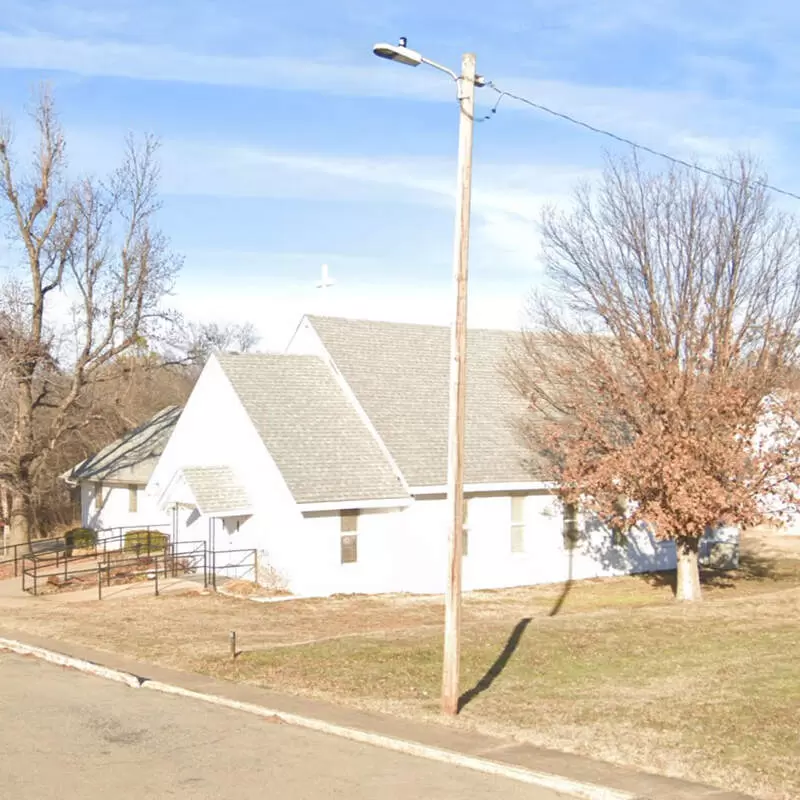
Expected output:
(214, 429)
(112, 510)
(306, 342)
(405, 550)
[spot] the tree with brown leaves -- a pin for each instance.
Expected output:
(90, 243)
(660, 362)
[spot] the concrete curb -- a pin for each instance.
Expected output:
(68, 661)
(557, 783)
(587, 791)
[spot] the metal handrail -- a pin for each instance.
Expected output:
(36, 566)
(169, 556)
(163, 528)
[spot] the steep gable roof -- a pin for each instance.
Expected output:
(399, 373)
(321, 446)
(216, 489)
(132, 457)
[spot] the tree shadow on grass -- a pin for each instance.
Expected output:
(498, 666)
(751, 568)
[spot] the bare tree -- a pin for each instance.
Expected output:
(94, 244)
(657, 366)
(205, 338)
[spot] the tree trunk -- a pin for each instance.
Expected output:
(688, 588)
(20, 522)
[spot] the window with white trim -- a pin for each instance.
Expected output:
(133, 498)
(349, 536)
(517, 523)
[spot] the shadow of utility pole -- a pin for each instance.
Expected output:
(567, 586)
(498, 666)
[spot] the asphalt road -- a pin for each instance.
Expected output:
(67, 735)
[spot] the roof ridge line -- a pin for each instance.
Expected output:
(437, 326)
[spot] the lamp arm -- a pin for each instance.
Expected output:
(440, 67)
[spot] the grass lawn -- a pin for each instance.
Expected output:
(620, 672)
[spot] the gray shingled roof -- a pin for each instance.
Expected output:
(132, 457)
(399, 373)
(323, 449)
(216, 489)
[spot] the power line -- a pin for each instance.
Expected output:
(629, 142)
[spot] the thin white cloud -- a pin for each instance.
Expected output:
(508, 199)
(636, 108)
(156, 63)
(234, 170)
(656, 117)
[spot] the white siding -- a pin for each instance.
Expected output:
(306, 342)
(112, 511)
(318, 569)
(399, 550)
(547, 558)
(215, 429)
(405, 550)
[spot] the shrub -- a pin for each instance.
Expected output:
(80, 538)
(138, 541)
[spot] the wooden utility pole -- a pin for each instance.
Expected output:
(457, 410)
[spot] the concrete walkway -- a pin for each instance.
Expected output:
(12, 596)
(578, 768)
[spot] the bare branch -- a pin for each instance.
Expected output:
(97, 242)
(673, 314)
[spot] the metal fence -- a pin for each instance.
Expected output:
(106, 539)
(115, 565)
(115, 556)
(113, 562)
(237, 564)
(13, 553)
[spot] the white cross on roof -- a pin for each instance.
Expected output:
(325, 281)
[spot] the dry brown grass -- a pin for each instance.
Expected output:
(244, 588)
(710, 693)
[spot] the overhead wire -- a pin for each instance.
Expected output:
(624, 140)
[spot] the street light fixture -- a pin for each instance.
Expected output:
(466, 82)
(405, 55)
(398, 52)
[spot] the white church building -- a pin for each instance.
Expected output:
(330, 461)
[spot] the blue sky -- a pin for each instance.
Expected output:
(286, 144)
